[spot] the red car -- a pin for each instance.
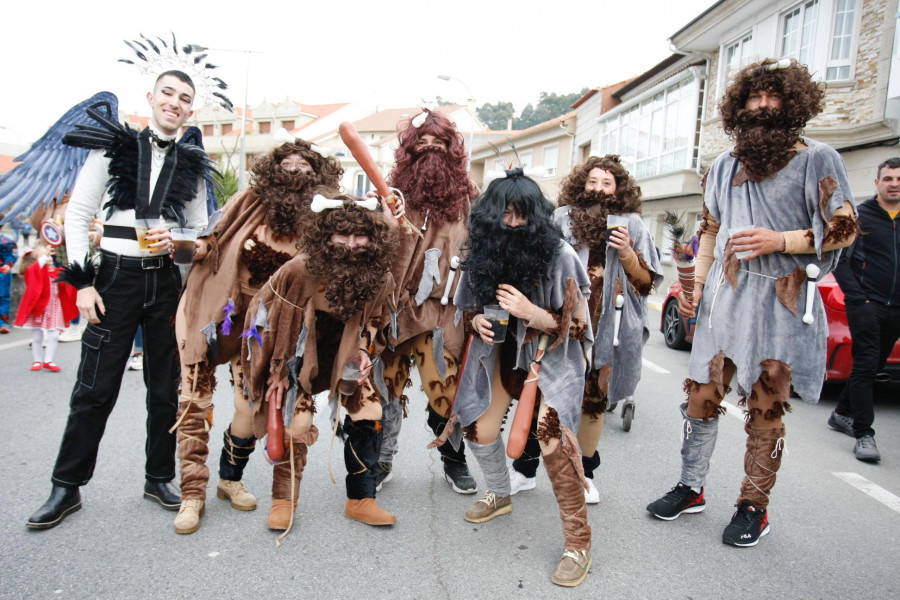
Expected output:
(679, 332)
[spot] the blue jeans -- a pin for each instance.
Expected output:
(133, 296)
(5, 282)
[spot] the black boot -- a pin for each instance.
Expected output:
(456, 471)
(235, 454)
(362, 449)
(62, 502)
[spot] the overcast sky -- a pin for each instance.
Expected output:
(379, 54)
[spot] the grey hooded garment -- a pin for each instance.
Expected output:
(634, 328)
(563, 368)
(747, 322)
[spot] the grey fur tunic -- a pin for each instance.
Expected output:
(634, 328)
(563, 368)
(748, 322)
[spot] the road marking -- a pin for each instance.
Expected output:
(875, 491)
(654, 367)
(733, 410)
(655, 306)
(14, 344)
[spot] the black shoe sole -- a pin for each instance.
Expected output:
(165, 505)
(738, 544)
(51, 524)
(690, 510)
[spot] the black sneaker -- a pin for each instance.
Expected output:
(383, 474)
(747, 525)
(841, 423)
(458, 476)
(681, 499)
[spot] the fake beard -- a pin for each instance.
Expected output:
(286, 202)
(511, 256)
(350, 280)
(433, 187)
(588, 216)
(764, 141)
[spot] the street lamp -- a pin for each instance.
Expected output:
(243, 158)
(471, 101)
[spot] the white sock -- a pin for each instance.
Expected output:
(52, 343)
(37, 339)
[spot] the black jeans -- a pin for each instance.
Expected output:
(132, 296)
(874, 328)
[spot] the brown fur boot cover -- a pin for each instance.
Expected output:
(286, 478)
(761, 463)
(193, 448)
(567, 476)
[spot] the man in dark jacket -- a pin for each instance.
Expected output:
(869, 275)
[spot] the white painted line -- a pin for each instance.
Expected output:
(875, 491)
(14, 344)
(655, 306)
(733, 410)
(654, 367)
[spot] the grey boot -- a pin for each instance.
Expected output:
(698, 443)
(492, 459)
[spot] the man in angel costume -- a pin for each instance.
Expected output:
(761, 323)
(128, 175)
(620, 262)
(258, 232)
(515, 256)
(430, 171)
(316, 325)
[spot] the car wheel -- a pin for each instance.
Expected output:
(673, 327)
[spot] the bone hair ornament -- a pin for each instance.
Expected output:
(283, 136)
(320, 203)
(420, 118)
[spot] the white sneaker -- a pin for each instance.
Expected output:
(72, 333)
(137, 362)
(520, 483)
(592, 494)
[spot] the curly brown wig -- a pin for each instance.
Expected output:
(590, 209)
(286, 195)
(435, 180)
(764, 138)
(352, 276)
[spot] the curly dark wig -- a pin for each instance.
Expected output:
(352, 276)
(286, 195)
(495, 253)
(764, 138)
(433, 179)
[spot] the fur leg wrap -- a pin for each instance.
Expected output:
(761, 463)
(193, 448)
(697, 445)
(564, 469)
(235, 454)
(492, 459)
(288, 473)
(362, 449)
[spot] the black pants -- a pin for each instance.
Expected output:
(874, 328)
(132, 296)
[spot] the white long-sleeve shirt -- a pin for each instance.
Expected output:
(90, 194)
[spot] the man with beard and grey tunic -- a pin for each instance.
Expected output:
(515, 256)
(620, 261)
(777, 209)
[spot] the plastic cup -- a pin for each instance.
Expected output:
(738, 229)
(184, 242)
(613, 221)
(499, 319)
(350, 377)
(141, 227)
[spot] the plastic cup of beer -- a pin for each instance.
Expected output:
(350, 377)
(141, 227)
(614, 221)
(738, 229)
(185, 242)
(499, 319)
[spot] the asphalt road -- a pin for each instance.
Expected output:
(834, 520)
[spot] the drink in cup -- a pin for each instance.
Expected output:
(350, 377)
(141, 227)
(499, 319)
(738, 229)
(184, 242)
(614, 221)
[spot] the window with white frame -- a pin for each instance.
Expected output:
(657, 134)
(526, 158)
(736, 55)
(798, 30)
(842, 38)
(551, 159)
(821, 34)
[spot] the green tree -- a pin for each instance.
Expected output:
(496, 116)
(548, 107)
(227, 184)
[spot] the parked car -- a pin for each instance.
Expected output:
(679, 332)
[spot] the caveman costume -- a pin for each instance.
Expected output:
(437, 202)
(552, 281)
(320, 311)
(257, 233)
(753, 329)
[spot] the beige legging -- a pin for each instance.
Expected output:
(765, 406)
(439, 391)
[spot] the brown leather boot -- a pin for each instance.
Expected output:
(565, 471)
(286, 487)
(761, 463)
(366, 510)
(193, 449)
